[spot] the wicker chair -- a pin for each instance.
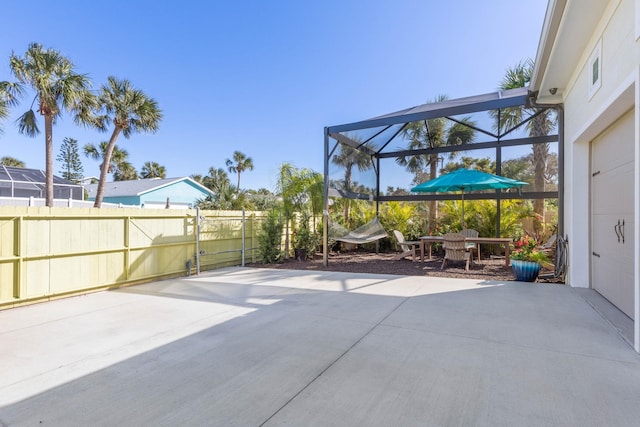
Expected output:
(468, 232)
(455, 250)
(407, 247)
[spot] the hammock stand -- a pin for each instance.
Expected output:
(367, 233)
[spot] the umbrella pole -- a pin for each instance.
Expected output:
(462, 210)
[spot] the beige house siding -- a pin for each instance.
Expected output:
(586, 116)
(588, 113)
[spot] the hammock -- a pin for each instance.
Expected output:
(369, 232)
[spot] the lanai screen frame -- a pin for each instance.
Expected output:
(520, 97)
(12, 176)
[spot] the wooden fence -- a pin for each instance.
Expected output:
(51, 252)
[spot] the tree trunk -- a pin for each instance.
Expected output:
(540, 155)
(48, 132)
(286, 238)
(104, 168)
(347, 188)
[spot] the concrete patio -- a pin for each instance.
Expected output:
(252, 347)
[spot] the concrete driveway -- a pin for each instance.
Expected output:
(252, 347)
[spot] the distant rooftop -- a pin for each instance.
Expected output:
(137, 187)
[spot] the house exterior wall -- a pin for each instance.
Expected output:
(179, 192)
(125, 200)
(586, 116)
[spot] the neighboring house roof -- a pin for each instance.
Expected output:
(88, 179)
(139, 187)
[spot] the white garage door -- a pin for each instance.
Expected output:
(612, 214)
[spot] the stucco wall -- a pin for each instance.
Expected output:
(131, 201)
(180, 192)
(586, 117)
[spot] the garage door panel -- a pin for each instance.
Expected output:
(610, 158)
(613, 286)
(612, 191)
(604, 236)
(611, 276)
(619, 147)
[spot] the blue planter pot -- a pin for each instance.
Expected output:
(525, 271)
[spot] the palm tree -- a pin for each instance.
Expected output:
(433, 133)
(293, 189)
(12, 161)
(348, 157)
(57, 88)
(226, 196)
(153, 170)
(118, 156)
(217, 180)
(130, 111)
(239, 164)
(314, 182)
(125, 171)
(540, 125)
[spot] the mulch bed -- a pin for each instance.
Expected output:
(384, 263)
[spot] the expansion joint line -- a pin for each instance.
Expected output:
(336, 360)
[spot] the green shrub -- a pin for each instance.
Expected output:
(270, 238)
(304, 237)
(481, 215)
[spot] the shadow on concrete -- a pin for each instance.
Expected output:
(338, 349)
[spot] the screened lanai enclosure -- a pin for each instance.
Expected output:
(379, 160)
(24, 183)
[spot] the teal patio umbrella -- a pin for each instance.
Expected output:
(466, 180)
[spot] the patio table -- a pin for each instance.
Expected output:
(503, 241)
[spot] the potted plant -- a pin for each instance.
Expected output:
(526, 259)
(305, 242)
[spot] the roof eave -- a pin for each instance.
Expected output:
(568, 38)
(553, 16)
(166, 184)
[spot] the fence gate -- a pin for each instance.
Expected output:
(225, 239)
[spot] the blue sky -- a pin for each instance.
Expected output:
(265, 77)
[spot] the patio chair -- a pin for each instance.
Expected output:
(407, 247)
(455, 250)
(468, 232)
(549, 245)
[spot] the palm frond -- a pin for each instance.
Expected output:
(91, 151)
(10, 93)
(27, 124)
(130, 109)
